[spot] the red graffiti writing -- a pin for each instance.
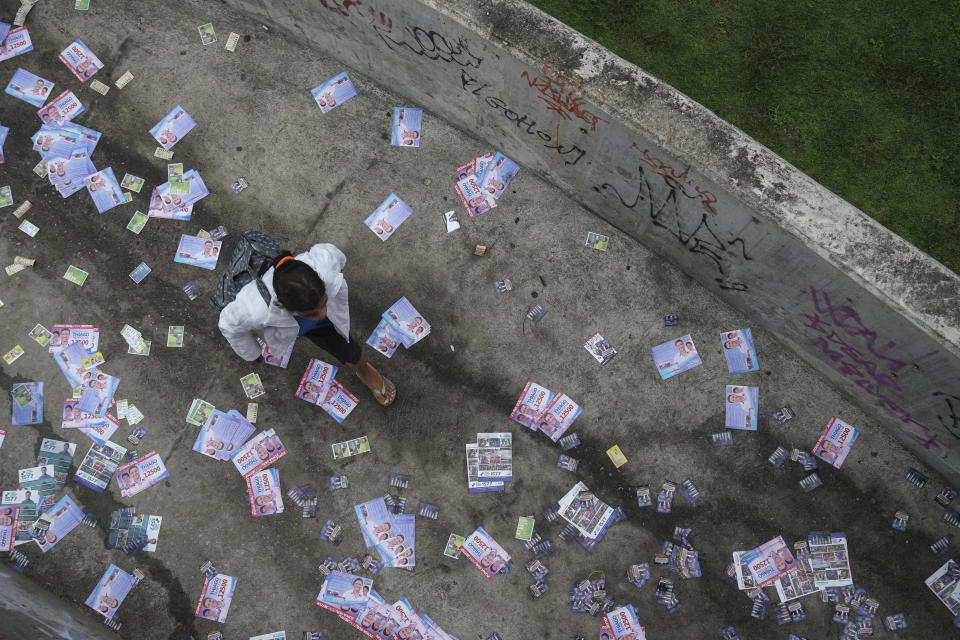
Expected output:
(564, 98)
(872, 370)
(677, 180)
(340, 6)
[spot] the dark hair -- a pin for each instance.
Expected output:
(297, 285)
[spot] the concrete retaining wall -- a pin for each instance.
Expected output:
(870, 311)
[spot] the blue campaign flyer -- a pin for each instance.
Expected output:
(109, 593)
(333, 92)
(498, 174)
(172, 127)
(199, 252)
(27, 403)
(406, 127)
(675, 357)
(741, 407)
(104, 190)
(29, 87)
(388, 216)
(739, 351)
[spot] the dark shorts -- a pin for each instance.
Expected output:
(333, 343)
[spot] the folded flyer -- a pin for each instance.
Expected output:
(215, 597)
(485, 553)
(57, 521)
(770, 561)
(585, 511)
(29, 88)
(109, 593)
(407, 123)
(102, 432)
(140, 474)
(742, 404)
(532, 402)
(26, 403)
(384, 338)
(333, 92)
(70, 361)
(165, 207)
(474, 485)
(558, 416)
(59, 455)
(497, 175)
(600, 348)
(62, 109)
(98, 466)
(223, 434)
(495, 454)
(744, 577)
(835, 442)
(946, 585)
(66, 334)
(409, 323)
(104, 189)
(385, 219)
(675, 357)
(624, 623)
(263, 487)
(829, 559)
(258, 453)
(797, 584)
(80, 60)
(199, 252)
(172, 127)
(739, 351)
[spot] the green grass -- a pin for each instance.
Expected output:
(862, 95)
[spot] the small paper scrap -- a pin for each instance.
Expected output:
(123, 80)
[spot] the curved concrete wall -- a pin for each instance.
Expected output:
(866, 308)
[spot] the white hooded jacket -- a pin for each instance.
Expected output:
(249, 317)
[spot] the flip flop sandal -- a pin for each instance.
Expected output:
(383, 392)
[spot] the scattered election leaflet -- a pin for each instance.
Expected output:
(101, 433)
(97, 467)
(829, 559)
(333, 92)
(600, 348)
(41, 336)
(392, 535)
(274, 635)
(200, 411)
(24, 506)
(140, 474)
(835, 442)
(80, 60)
(263, 488)
(168, 206)
(66, 334)
(60, 111)
(104, 190)
(11, 356)
(97, 392)
(945, 584)
(385, 219)
(408, 323)
(350, 448)
(172, 127)
(252, 385)
(770, 561)
(73, 418)
(57, 521)
(258, 453)
(58, 455)
(495, 457)
(336, 401)
(407, 123)
(70, 361)
(27, 403)
(675, 357)
(797, 584)
(476, 200)
(132, 182)
(38, 479)
(127, 527)
(384, 339)
(9, 515)
(474, 484)
(558, 416)
(585, 511)
(485, 553)
(739, 351)
(273, 360)
(316, 381)
(29, 88)
(17, 42)
(344, 591)
(532, 402)
(744, 578)
(452, 549)
(624, 623)
(222, 434)
(199, 252)
(742, 404)
(215, 597)
(109, 593)
(497, 175)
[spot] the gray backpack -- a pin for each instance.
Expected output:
(253, 255)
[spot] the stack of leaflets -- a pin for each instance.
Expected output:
(140, 474)
(539, 408)
(407, 124)
(23, 506)
(215, 597)
(222, 434)
(482, 181)
(58, 456)
(585, 511)
(317, 386)
(177, 204)
(742, 404)
(495, 457)
(474, 484)
(739, 351)
(829, 559)
(400, 324)
(385, 219)
(96, 428)
(675, 357)
(945, 584)
(485, 553)
(26, 403)
(38, 480)
(60, 519)
(263, 489)
(199, 412)
(769, 562)
(110, 592)
(391, 534)
(258, 453)
(63, 335)
(129, 530)
(835, 442)
(65, 148)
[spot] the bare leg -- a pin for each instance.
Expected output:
(373, 380)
